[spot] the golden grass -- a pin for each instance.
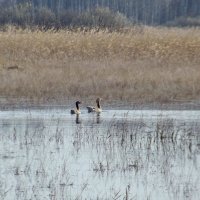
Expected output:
(142, 64)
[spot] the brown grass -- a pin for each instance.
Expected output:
(141, 64)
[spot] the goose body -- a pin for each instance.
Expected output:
(90, 109)
(96, 109)
(77, 110)
(93, 109)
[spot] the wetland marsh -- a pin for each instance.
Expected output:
(119, 154)
(136, 150)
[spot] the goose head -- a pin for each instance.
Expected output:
(77, 104)
(98, 100)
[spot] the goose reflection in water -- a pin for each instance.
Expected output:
(98, 118)
(78, 120)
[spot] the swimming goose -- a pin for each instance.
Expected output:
(77, 110)
(96, 109)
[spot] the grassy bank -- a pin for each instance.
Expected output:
(142, 64)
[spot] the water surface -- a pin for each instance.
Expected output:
(119, 154)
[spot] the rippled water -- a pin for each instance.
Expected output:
(119, 154)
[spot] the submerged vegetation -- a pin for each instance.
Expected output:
(141, 64)
(126, 157)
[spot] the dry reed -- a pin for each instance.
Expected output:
(143, 64)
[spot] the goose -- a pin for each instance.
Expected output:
(96, 109)
(77, 110)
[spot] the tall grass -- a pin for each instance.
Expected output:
(143, 64)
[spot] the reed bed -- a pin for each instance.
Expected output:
(143, 64)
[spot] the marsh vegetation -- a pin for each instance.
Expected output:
(141, 64)
(48, 154)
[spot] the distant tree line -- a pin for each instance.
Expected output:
(99, 12)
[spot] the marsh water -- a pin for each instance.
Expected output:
(119, 154)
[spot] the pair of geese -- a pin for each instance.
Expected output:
(96, 109)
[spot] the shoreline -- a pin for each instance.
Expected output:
(16, 103)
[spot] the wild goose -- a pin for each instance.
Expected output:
(77, 110)
(96, 109)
